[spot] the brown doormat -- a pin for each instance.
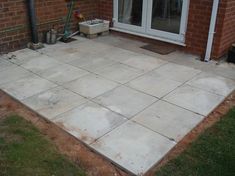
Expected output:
(160, 49)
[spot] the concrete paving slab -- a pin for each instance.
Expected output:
(120, 73)
(91, 46)
(13, 73)
(144, 62)
(39, 64)
(119, 54)
(79, 39)
(177, 72)
(27, 87)
(72, 51)
(65, 58)
(54, 102)
(118, 41)
(125, 123)
(154, 84)
(133, 147)
(179, 55)
(51, 50)
(63, 73)
(225, 70)
(21, 56)
(91, 86)
(4, 64)
(168, 120)
(194, 99)
(125, 101)
(89, 122)
(213, 83)
(91, 62)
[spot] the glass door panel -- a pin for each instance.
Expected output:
(166, 15)
(130, 15)
(167, 18)
(130, 12)
(164, 19)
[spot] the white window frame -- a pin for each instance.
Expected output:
(130, 27)
(145, 27)
(168, 35)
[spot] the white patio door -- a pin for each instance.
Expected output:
(130, 15)
(164, 19)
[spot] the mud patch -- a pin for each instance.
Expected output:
(11, 138)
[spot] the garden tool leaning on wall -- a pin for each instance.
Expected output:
(67, 27)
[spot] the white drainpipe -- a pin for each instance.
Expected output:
(211, 30)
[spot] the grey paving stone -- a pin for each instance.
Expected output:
(194, 99)
(120, 73)
(91, 86)
(125, 101)
(89, 122)
(133, 147)
(13, 73)
(40, 64)
(54, 102)
(213, 83)
(155, 85)
(169, 120)
(177, 72)
(27, 86)
(63, 73)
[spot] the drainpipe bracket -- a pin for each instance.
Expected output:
(35, 46)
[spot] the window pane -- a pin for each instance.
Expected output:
(166, 15)
(130, 12)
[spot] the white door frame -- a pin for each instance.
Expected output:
(130, 27)
(168, 35)
(145, 27)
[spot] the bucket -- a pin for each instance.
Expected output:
(51, 37)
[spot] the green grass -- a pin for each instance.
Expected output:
(212, 154)
(25, 151)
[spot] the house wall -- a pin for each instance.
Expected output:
(225, 34)
(198, 25)
(14, 29)
(15, 34)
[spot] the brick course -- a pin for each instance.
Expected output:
(198, 25)
(14, 30)
(225, 30)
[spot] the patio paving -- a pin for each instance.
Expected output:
(128, 104)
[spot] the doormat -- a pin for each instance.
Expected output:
(159, 48)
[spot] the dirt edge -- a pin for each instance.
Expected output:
(209, 121)
(93, 163)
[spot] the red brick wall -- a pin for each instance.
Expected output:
(14, 30)
(198, 25)
(225, 30)
(105, 9)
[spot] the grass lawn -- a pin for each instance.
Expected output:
(25, 151)
(212, 154)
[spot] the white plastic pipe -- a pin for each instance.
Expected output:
(211, 30)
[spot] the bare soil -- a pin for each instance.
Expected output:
(93, 163)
